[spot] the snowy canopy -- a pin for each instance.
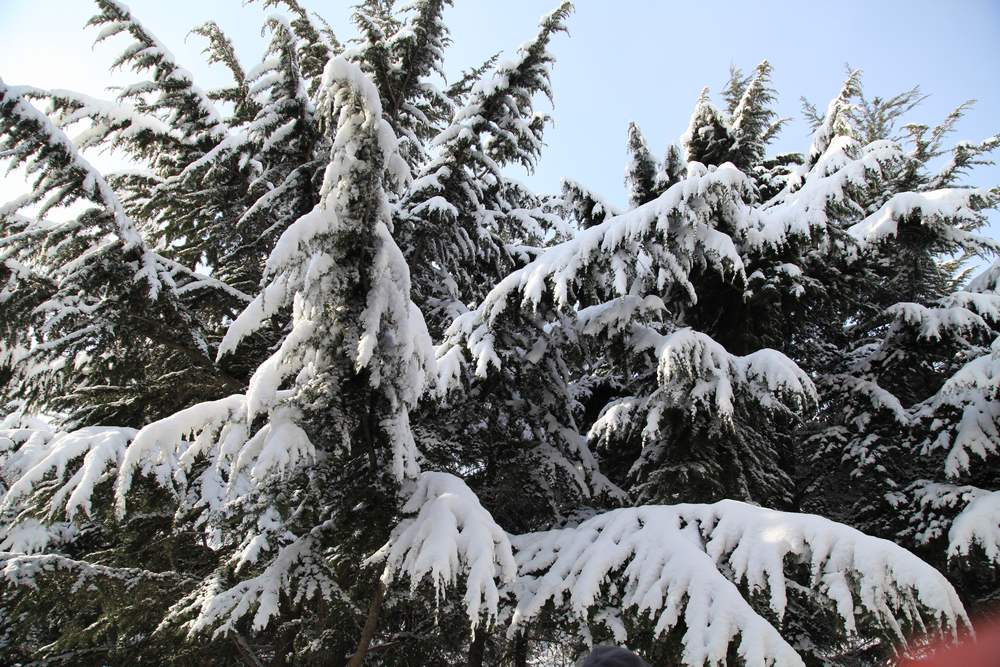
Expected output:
(318, 377)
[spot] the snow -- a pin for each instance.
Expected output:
(265, 305)
(618, 314)
(231, 144)
(973, 392)
(986, 304)
(672, 561)
(692, 201)
(451, 535)
(104, 114)
(703, 109)
(99, 189)
(931, 323)
(160, 450)
(278, 446)
(979, 524)
(981, 373)
(686, 354)
(450, 361)
(583, 201)
(936, 504)
(878, 397)
(31, 536)
(216, 432)
(477, 338)
(835, 117)
(101, 449)
(844, 168)
(987, 280)
(949, 210)
(389, 299)
(345, 73)
(297, 571)
(191, 281)
(437, 206)
(977, 433)
(25, 570)
(148, 46)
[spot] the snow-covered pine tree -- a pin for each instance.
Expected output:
(274, 474)
(78, 586)
(754, 123)
(708, 139)
(250, 145)
(641, 169)
(192, 229)
(357, 355)
(948, 493)
(740, 134)
(513, 436)
(910, 402)
(284, 150)
(101, 329)
(671, 169)
(401, 54)
(96, 325)
(316, 42)
(585, 206)
(464, 218)
(662, 354)
(705, 412)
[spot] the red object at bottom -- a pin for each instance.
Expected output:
(984, 651)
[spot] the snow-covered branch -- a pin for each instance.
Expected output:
(691, 563)
(451, 535)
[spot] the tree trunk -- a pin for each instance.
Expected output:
(477, 649)
(520, 650)
(284, 640)
(245, 652)
(370, 625)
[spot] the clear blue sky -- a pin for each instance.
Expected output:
(626, 60)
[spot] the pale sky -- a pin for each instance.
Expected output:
(623, 60)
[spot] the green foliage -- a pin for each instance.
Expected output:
(260, 296)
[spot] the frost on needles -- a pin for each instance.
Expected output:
(318, 380)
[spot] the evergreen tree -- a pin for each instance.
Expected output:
(464, 217)
(284, 150)
(87, 304)
(903, 413)
(638, 282)
(671, 170)
(708, 139)
(316, 41)
(193, 228)
(754, 123)
(400, 54)
(288, 471)
(640, 173)
(584, 205)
